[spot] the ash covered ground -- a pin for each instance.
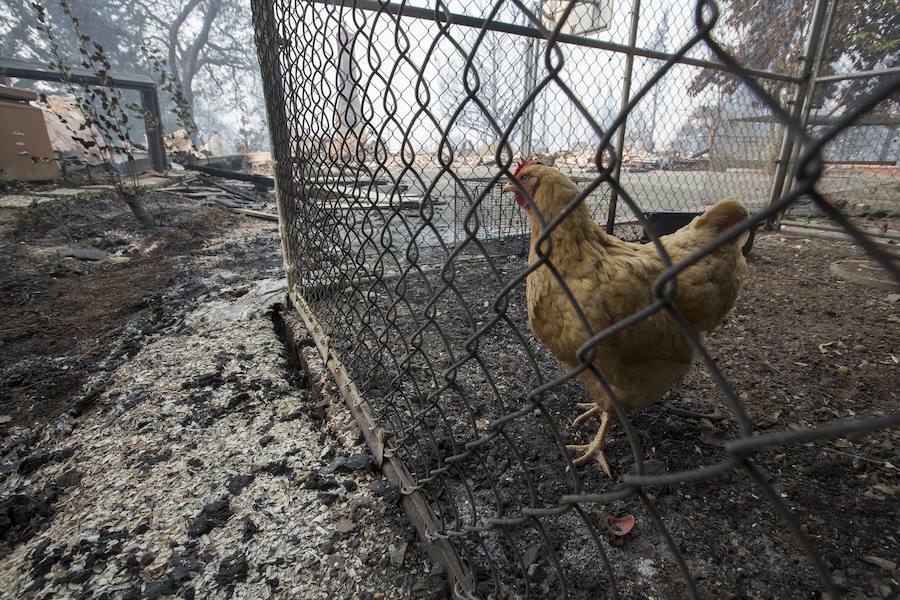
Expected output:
(158, 439)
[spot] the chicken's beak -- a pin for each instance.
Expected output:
(509, 187)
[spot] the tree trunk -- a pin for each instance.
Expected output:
(135, 203)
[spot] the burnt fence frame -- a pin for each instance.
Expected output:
(142, 84)
(798, 169)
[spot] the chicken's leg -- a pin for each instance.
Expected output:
(594, 450)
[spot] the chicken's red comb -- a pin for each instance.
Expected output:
(524, 162)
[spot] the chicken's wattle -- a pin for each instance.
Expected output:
(520, 200)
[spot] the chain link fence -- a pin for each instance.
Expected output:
(394, 126)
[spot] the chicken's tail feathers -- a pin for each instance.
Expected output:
(722, 215)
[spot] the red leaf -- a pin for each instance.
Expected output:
(621, 526)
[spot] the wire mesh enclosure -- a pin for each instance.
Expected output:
(395, 125)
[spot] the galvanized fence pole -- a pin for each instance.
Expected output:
(268, 44)
(623, 105)
(798, 104)
(824, 38)
(532, 59)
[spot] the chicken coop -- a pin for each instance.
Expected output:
(394, 128)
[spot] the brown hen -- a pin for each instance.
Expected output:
(611, 280)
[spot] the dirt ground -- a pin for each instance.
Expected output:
(61, 316)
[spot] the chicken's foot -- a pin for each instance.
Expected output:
(590, 409)
(594, 450)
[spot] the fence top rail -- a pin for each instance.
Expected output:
(429, 14)
(887, 120)
(859, 75)
(21, 69)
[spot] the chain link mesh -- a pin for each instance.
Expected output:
(393, 128)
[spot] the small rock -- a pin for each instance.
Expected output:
(530, 555)
(297, 414)
(179, 574)
(842, 370)
(354, 462)
(388, 491)
(344, 526)
(398, 554)
(80, 576)
(132, 594)
(157, 589)
(884, 563)
(859, 348)
(85, 254)
(149, 459)
(327, 547)
(4, 419)
(236, 483)
(232, 569)
(315, 481)
(327, 498)
(69, 478)
(266, 440)
(195, 462)
(213, 515)
(536, 572)
(37, 461)
(183, 565)
(278, 469)
(349, 485)
(131, 564)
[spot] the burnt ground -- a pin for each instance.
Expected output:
(158, 437)
(802, 348)
(63, 316)
(151, 449)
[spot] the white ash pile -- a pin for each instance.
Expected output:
(210, 465)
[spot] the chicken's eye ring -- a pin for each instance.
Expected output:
(525, 177)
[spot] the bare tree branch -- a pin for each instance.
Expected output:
(173, 36)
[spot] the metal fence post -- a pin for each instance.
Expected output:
(156, 147)
(268, 43)
(626, 98)
(532, 57)
(810, 63)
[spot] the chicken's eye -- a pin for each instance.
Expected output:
(524, 177)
